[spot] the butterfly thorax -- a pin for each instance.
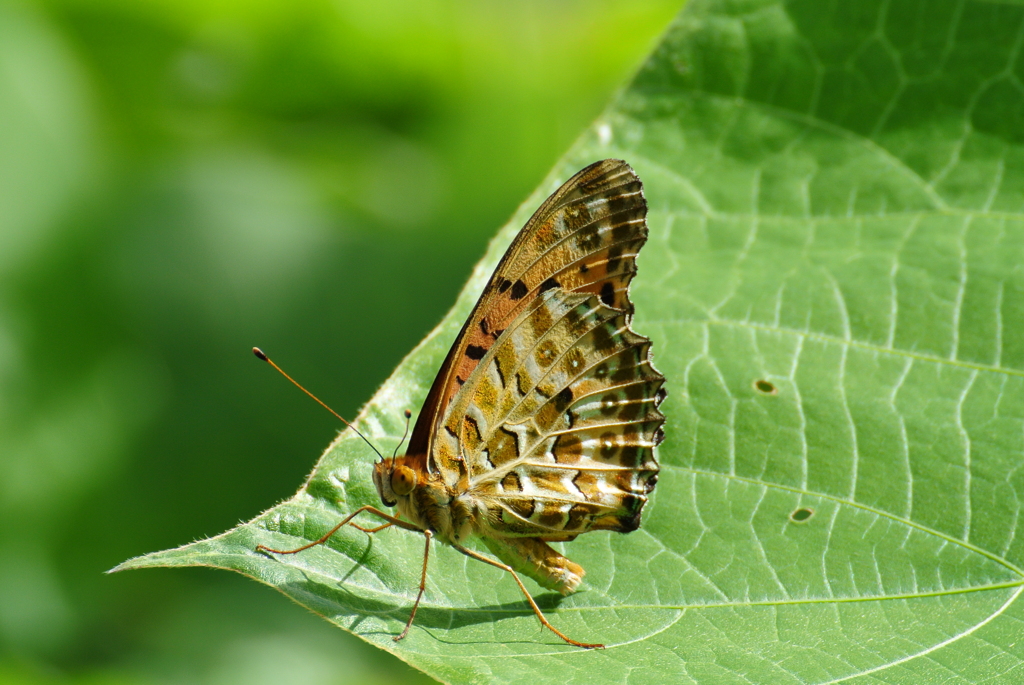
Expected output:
(423, 499)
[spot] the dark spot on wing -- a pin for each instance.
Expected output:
(629, 523)
(522, 507)
(470, 432)
(608, 294)
(614, 257)
(568, 448)
(475, 352)
(603, 340)
(630, 455)
(503, 285)
(551, 516)
(633, 503)
(622, 232)
(626, 373)
(519, 290)
(619, 203)
(511, 482)
(548, 285)
(578, 516)
(547, 415)
(609, 446)
(563, 399)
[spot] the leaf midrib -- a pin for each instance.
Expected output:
(838, 500)
(639, 607)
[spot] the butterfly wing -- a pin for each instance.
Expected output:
(558, 435)
(583, 240)
(552, 432)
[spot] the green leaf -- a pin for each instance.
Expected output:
(834, 289)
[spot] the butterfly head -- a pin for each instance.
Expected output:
(393, 479)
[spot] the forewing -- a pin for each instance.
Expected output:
(559, 432)
(583, 239)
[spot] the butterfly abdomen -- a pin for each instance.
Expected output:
(539, 561)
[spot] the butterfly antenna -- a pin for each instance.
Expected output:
(408, 415)
(259, 355)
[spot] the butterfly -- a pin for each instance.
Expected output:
(542, 422)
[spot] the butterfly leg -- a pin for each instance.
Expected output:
(533, 605)
(371, 530)
(392, 521)
(423, 586)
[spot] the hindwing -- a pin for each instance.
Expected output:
(558, 433)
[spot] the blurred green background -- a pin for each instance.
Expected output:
(182, 180)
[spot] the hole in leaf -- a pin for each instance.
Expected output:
(801, 515)
(765, 387)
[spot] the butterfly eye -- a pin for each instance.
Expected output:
(402, 480)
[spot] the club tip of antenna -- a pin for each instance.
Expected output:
(408, 414)
(259, 354)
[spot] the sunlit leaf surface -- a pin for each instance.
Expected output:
(834, 291)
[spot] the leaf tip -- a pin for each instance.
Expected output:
(127, 565)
